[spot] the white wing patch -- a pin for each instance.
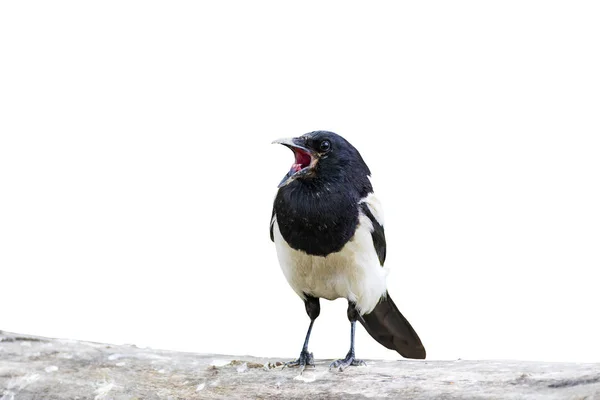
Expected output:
(375, 206)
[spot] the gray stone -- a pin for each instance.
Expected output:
(41, 368)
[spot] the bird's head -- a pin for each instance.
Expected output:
(324, 156)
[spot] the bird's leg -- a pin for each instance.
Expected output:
(313, 309)
(305, 358)
(350, 359)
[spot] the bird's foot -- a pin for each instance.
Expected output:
(342, 364)
(305, 359)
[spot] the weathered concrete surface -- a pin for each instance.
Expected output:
(40, 368)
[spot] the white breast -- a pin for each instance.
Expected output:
(353, 273)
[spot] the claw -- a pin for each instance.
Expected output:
(342, 364)
(305, 359)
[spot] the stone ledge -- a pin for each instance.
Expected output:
(41, 368)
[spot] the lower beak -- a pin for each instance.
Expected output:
(286, 179)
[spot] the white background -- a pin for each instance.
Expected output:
(137, 174)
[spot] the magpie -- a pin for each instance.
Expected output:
(327, 226)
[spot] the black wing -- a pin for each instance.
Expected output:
(272, 222)
(378, 233)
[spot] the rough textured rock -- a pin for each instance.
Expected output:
(40, 368)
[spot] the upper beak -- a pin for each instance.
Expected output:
(289, 142)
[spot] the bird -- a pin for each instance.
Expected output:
(328, 230)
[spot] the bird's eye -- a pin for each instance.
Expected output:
(325, 145)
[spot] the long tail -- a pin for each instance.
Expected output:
(387, 325)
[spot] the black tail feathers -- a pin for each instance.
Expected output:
(387, 325)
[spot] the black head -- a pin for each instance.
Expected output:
(323, 157)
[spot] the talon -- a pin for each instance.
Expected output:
(342, 364)
(305, 359)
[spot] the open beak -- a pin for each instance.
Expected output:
(305, 160)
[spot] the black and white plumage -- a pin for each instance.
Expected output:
(328, 230)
